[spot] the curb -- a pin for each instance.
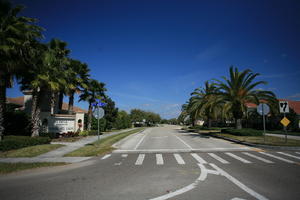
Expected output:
(257, 145)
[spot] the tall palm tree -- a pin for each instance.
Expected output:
(16, 32)
(239, 89)
(205, 102)
(77, 80)
(95, 90)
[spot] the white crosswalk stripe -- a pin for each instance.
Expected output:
(277, 157)
(198, 158)
(289, 155)
(179, 159)
(218, 158)
(159, 159)
(124, 155)
(140, 159)
(257, 157)
(238, 158)
(297, 152)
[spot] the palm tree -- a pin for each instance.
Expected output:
(16, 32)
(239, 89)
(205, 103)
(77, 80)
(94, 91)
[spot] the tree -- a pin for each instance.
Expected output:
(16, 32)
(111, 113)
(94, 91)
(122, 120)
(77, 80)
(238, 89)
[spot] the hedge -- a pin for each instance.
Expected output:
(243, 132)
(17, 142)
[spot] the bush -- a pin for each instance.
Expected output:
(243, 132)
(17, 142)
(84, 133)
(17, 123)
(50, 135)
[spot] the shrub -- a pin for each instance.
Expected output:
(17, 142)
(50, 135)
(17, 123)
(243, 132)
(84, 133)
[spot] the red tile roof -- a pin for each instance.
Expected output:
(20, 101)
(295, 105)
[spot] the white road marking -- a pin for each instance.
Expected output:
(106, 156)
(238, 158)
(297, 152)
(140, 159)
(198, 158)
(277, 157)
(178, 150)
(159, 137)
(124, 155)
(141, 140)
(239, 184)
(218, 158)
(179, 159)
(119, 163)
(186, 144)
(159, 159)
(202, 177)
(292, 156)
(257, 157)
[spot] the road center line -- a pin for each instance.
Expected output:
(141, 140)
(183, 142)
(239, 184)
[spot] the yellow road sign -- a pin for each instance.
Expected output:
(285, 121)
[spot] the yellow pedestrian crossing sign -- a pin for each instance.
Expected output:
(285, 121)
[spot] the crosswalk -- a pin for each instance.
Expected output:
(216, 157)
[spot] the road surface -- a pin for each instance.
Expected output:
(166, 163)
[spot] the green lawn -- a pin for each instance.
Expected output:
(102, 146)
(270, 140)
(67, 139)
(283, 133)
(13, 167)
(31, 151)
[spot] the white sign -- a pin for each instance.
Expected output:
(263, 109)
(98, 113)
(62, 125)
(284, 107)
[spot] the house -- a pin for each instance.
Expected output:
(57, 120)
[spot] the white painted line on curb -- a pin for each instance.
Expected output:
(141, 140)
(186, 144)
(218, 158)
(106, 156)
(257, 157)
(239, 184)
(159, 159)
(238, 158)
(140, 159)
(198, 158)
(179, 159)
(292, 156)
(124, 155)
(277, 157)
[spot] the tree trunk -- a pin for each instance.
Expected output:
(209, 122)
(89, 126)
(35, 114)
(71, 103)
(238, 124)
(60, 100)
(52, 102)
(2, 105)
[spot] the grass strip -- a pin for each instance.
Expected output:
(14, 167)
(31, 151)
(270, 140)
(102, 146)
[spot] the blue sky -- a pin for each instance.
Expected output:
(153, 54)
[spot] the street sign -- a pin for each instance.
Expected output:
(285, 121)
(98, 113)
(284, 107)
(263, 109)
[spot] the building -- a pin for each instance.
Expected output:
(56, 120)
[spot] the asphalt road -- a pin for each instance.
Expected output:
(166, 163)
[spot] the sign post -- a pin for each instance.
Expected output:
(98, 114)
(284, 108)
(263, 109)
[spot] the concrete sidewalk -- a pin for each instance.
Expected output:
(294, 137)
(57, 154)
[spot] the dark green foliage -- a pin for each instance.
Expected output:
(138, 115)
(102, 124)
(243, 132)
(122, 121)
(17, 142)
(111, 113)
(17, 123)
(50, 135)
